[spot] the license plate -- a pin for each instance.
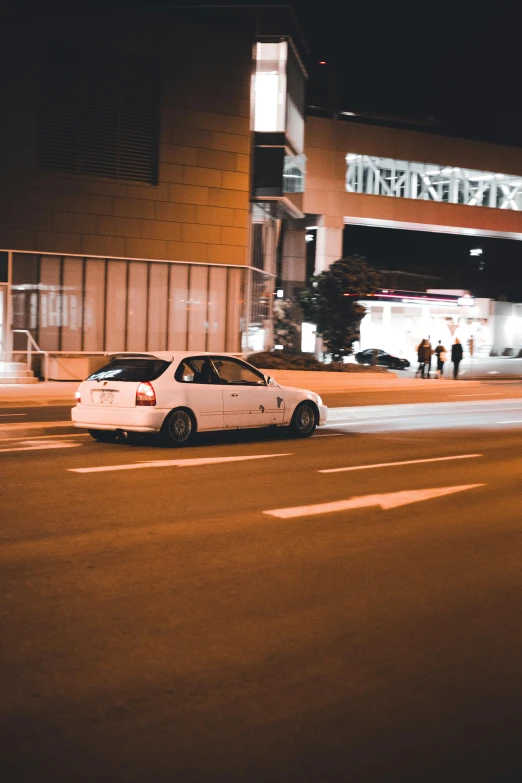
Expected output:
(107, 397)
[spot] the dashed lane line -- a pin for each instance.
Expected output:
(41, 447)
(403, 462)
(482, 394)
(47, 437)
(33, 425)
(178, 463)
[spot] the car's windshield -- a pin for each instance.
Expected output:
(130, 369)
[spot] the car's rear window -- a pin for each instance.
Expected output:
(136, 370)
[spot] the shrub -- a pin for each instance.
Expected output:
(267, 360)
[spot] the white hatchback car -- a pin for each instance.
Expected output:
(181, 393)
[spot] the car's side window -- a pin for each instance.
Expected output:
(232, 371)
(196, 369)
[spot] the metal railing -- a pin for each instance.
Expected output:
(32, 348)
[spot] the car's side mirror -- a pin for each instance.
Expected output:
(269, 380)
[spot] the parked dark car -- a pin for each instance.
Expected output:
(376, 356)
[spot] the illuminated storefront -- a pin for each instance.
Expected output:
(396, 321)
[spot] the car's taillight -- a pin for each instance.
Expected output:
(145, 394)
(78, 395)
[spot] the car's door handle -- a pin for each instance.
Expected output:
(234, 394)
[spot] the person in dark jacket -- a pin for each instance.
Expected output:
(456, 356)
(424, 358)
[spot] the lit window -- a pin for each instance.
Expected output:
(270, 87)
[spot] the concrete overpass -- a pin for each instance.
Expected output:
(431, 183)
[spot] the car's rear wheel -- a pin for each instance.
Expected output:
(304, 420)
(104, 436)
(180, 427)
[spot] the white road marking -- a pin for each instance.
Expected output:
(404, 462)
(513, 421)
(487, 394)
(33, 425)
(14, 414)
(41, 447)
(21, 439)
(331, 435)
(386, 501)
(178, 463)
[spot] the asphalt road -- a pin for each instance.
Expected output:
(425, 391)
(211, 619)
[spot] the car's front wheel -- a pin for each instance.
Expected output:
(304, 420)
(104, 436)
(180, 427)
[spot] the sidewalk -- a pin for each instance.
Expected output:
(62, 392)
(49, 393)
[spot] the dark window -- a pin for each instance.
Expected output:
(100, 115)
(130, 369)
(3, 267)
(197, 369)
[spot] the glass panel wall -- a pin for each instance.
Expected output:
(24, 293)
(50, 304)
(115, 306)
(94, 305)
(158, 290)
(235, 310)
(137, 307)
(73, 304)
(197, 321)
(178, 313)
(217, 294)
(259, 334)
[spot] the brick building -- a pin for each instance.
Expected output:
(145, 160)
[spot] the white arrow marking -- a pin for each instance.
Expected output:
(389, 500)
(178, 463)
(404, 462)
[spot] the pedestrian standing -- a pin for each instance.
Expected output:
(429, 353)
(456, 356)
(440, 353)
(424, 358)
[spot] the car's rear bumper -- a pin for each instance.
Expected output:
(141, 419)
(323, 414)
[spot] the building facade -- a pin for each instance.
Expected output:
(146, 160)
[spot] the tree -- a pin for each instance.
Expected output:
(330, 301)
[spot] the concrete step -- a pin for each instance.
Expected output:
(16, 372)
(12, 380)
